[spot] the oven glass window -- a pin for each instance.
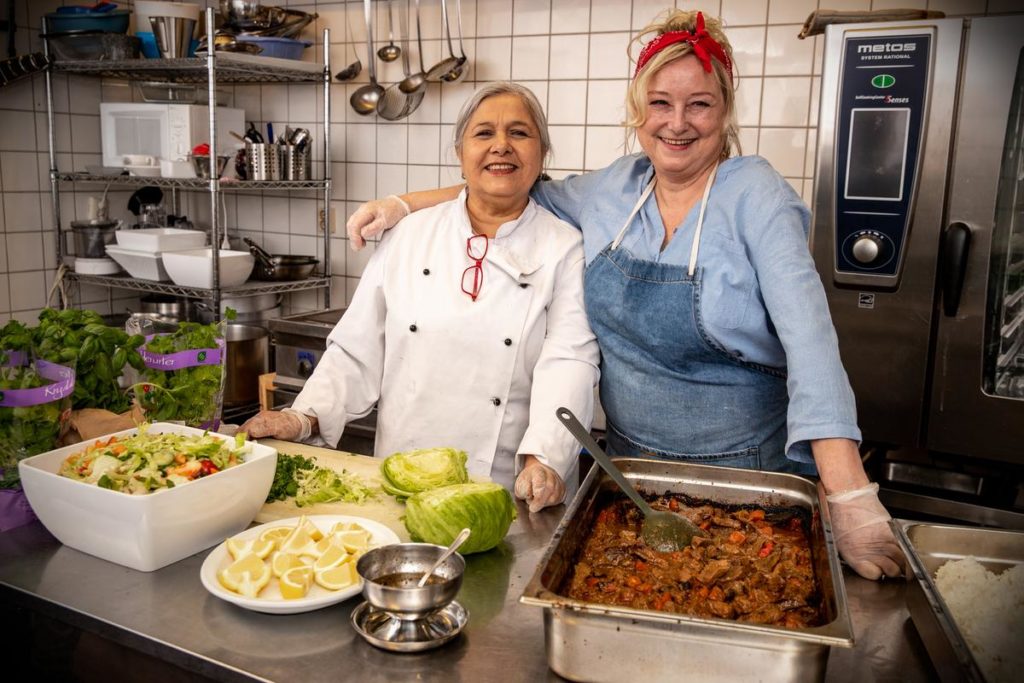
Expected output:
(878, 154)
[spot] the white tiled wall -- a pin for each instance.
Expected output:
(572, 53)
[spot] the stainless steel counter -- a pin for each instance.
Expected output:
(168, 615)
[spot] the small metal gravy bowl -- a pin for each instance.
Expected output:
(410, 558)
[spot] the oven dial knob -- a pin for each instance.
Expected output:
(304, 368)
(867, 249)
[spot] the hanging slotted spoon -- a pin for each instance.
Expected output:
(664, 531)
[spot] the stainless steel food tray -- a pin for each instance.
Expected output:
(592, 642)
(928, 547)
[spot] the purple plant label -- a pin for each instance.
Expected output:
(63, 384)
(182, 359)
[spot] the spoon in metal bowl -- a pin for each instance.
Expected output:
(390, 52)
(353, 69)
(365, 99)
(455, 544)
(417, 81)
(663, 531)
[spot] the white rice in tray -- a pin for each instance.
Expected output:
(988, 609)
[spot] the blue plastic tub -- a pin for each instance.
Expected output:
(285, 48)
(115, 21)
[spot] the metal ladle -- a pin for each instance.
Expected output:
(365, 99)
(664, 531)
(459, 70)
(390, 52)
(448, 63)
(418, 81)
(456, 542)
(353, 69)
(395, 104)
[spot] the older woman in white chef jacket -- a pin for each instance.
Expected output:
(471, 333)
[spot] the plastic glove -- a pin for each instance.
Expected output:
(374, 217)
(860, 527)
(286, 425)
(540, 486)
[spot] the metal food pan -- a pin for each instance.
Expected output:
(594, 642)
(928, 547)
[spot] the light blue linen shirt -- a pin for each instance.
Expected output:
(762, 298)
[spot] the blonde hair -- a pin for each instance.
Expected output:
(636, 94)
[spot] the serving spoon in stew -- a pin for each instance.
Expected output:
(663, 531)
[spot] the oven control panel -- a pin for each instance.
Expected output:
(883, 95)
(295, 364)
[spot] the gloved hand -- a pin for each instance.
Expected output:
(375, 217)
(539, 485)
(860, 527)
(286, 425)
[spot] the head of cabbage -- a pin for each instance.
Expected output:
(423, 469)
(437, 516)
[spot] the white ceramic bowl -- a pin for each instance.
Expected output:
(145, 265)
(194, 267)
(160, 239)
(150, 531)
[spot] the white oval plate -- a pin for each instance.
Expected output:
(270, 600)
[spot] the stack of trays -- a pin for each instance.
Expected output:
(140, 252)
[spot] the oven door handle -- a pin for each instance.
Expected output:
(955, 249)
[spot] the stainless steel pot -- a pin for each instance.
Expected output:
(247, 359)
(169, 308)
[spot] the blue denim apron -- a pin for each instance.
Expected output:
(669, 390)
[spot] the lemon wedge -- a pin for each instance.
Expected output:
(296, 582)
(276, 534)
(354, 540)
(336, 578)
(247, 576)
(299, 542)
(281, 562)
(332, 556)
(346, 526)
(239, 548)
(310, 528)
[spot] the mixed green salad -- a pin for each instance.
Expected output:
(142, 463)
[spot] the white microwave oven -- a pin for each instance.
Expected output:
(162, 131)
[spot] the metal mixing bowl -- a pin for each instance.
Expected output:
(412, 558)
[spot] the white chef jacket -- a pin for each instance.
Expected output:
(485, 376)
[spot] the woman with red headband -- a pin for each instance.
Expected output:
(716, 341)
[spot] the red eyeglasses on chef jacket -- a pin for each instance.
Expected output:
(473, 277)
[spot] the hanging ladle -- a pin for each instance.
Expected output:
(459, 70)
(456, 542)
(353, 69)
(395, 104)
(417, 81)
(448, 63)
(365, 99)
(390, 52)
(663, 531)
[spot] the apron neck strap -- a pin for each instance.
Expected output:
(695, 245)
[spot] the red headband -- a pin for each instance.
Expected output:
(704, 46)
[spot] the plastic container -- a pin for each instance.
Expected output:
(115, 21)
(91, 239)
(194, 268)
(145, 265)
(283, 48)
(160, 239)
(71, 46)
(151, 531)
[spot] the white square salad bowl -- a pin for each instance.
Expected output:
(147, 532)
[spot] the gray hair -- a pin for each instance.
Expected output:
(493, 89)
